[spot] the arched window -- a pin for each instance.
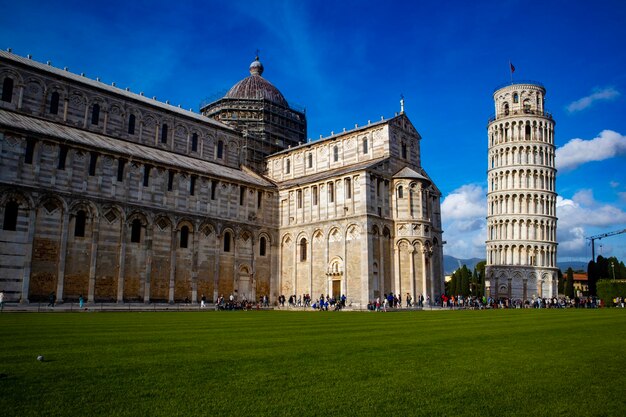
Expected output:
(192, 185)
(310, 160)
(213, 189)
(302, 249)
(299, 198)
(331, 192)
(79, 224)
(93, 161)
(184, 237)
(135, 231)
(348, 188)
(287, 166)
(131, 124)
(227, 242)
(146, 175)
(62, 156)
(220, 149)
(120, 169)
(335, 153)
(527, 132)
(527, 106)
(30, 151)
(404, 153)
(7, 90)
(365, 147)
(194, 142)
(400, 192)
(10, 216)
(164, 133)
(54, 103)
(506, 109)
(262, 246)
(95, 114)
(515, 98)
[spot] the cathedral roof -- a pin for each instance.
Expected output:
(135, 151)
(255, 87)
(409, 173)
(324, 174)
(127, 94)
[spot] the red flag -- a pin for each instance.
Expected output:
(512, 68)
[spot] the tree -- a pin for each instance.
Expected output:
(480, 267)
(592, 278)
(569, 290)
(561, 282)
(465, 281)
(602, 268)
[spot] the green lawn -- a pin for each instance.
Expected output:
(517, 362)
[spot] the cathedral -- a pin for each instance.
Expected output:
(123, 198)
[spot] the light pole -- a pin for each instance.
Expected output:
(613, 268)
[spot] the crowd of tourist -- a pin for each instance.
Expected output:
(461, 302)
(395, 301)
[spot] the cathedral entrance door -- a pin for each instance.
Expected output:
(337, 288)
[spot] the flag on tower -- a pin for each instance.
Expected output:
(512, 67)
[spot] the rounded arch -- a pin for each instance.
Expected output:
(86, 205)
(17, 196)
(335, 266)
(138, 215)
(185, 221)
(16, 76)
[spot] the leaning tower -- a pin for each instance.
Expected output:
(521, 198)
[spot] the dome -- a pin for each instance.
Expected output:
(256, 87)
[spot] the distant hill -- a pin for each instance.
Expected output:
(451, 264)
(575, 265)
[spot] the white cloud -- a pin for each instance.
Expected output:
(463, 213)
(614, 184)
(577, 215)
(576, 152)
(608, 93)
(466, 202)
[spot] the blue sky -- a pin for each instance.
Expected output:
(349, 62)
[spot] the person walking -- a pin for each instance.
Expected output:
(51, 299)
(203, 301)
(1, 300)
(81, 301)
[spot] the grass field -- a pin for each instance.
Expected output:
(515, 362)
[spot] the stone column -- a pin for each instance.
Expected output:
(148, 281)
(66, 103)
(381, 264)
(93, 257)
(396, 272)
(29, 255)
(412, 271)
(310, 255)
(20, 97)
(106, 121)
(216, 270)
(86, 114)
(194, 266)
(172, 264)
(62, 254)
(425, 272)
(122, 263)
